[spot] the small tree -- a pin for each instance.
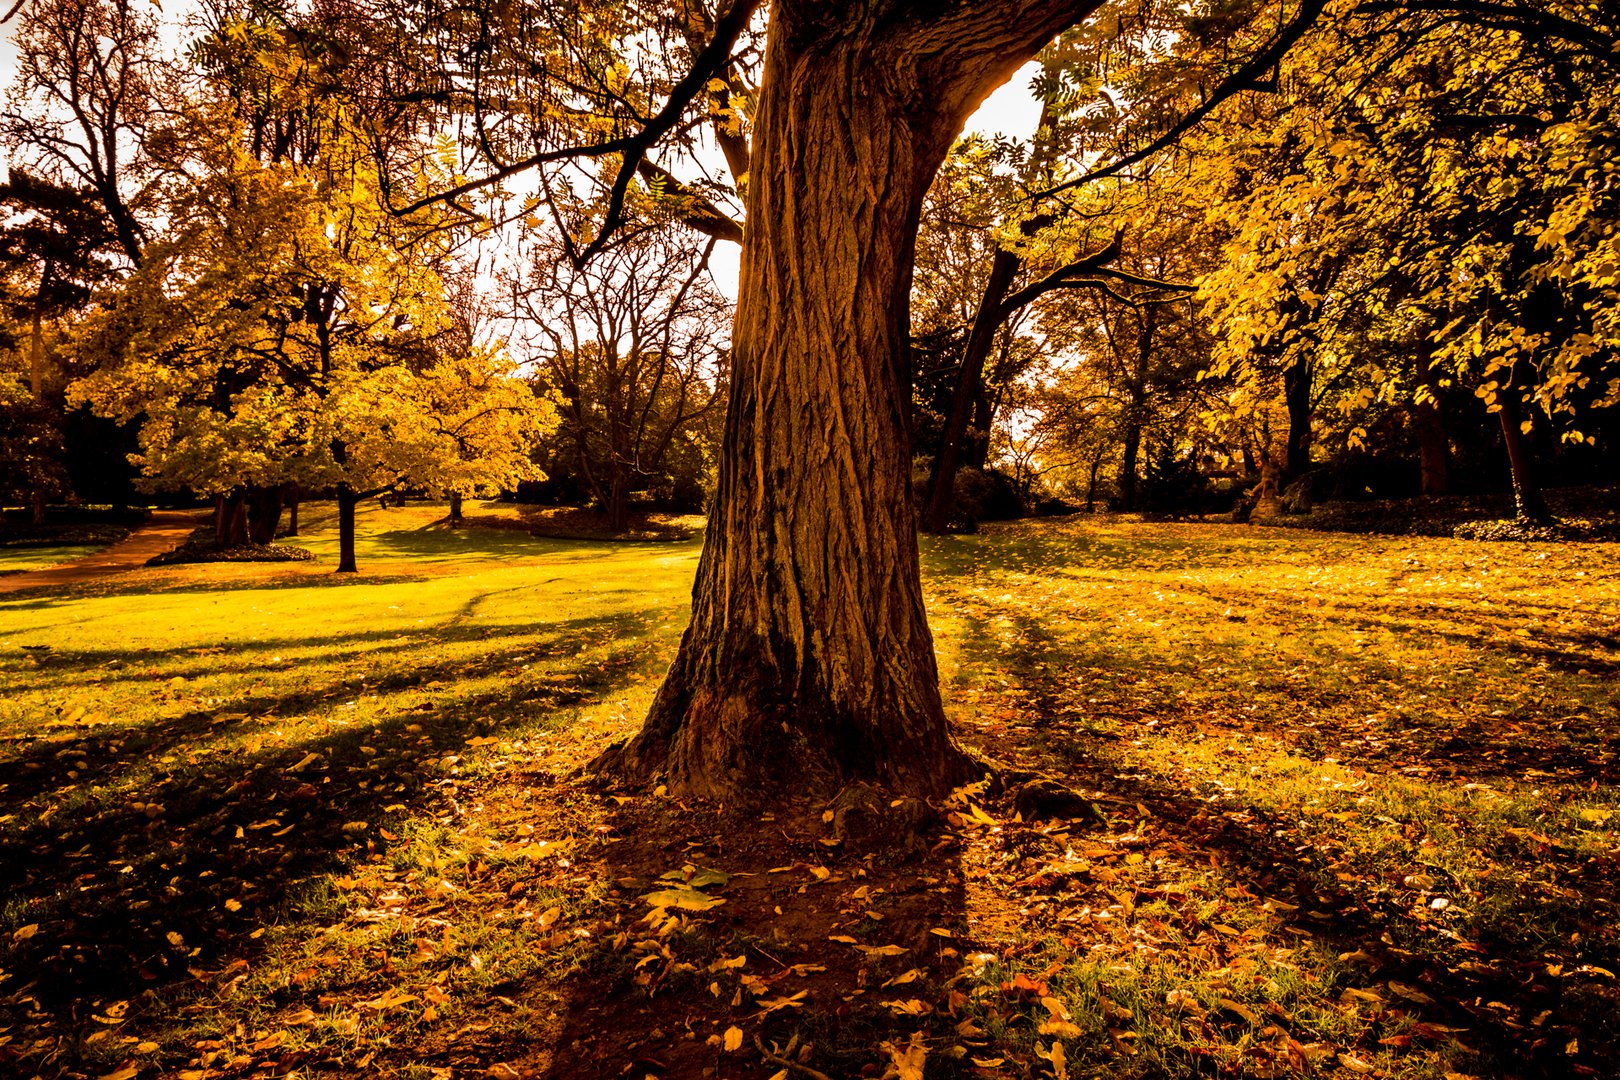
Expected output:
(288, 328)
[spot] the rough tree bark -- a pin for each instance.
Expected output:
(808, 662)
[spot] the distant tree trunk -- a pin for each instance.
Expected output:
(1127, 466)
(455, 508)
(264, 514)
(1091, 487)
(1266, 498)
(976, 442)
(231, 519)
(1298, 387)
(36, 355)
(969, 386)
(294, 496)
(346, 500)
(1429, 424)
(1527, 498)
(808, 662)
(618, 502)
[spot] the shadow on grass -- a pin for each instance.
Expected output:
(248, 657)
(1507, 975)
(134, 887)
(798, 953)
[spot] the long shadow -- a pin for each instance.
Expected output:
(1503, 741)
(1097, 548)
(1566, 648)
(537, 551)
(129, 896)
(1463, 981)
(55, 665)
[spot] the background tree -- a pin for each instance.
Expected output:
(87, 86)
(287, 327)
(634, 345)
(52, 254)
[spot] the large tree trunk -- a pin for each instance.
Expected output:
(808, 662)
(346, 500)
(455, 508)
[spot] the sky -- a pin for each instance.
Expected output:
(1010, 111)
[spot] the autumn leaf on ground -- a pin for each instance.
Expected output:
(684, 898)
(906, 1062)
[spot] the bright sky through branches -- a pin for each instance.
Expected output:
(1011, 111)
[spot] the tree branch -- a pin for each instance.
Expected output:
(1247, 77)
(699, 212)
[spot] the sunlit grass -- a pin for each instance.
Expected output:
(15, 560)
(1419, 733)
(1327, 766)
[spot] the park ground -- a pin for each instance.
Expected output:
(1351, 812)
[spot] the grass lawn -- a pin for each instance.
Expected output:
(1352, 812)
(15, 560)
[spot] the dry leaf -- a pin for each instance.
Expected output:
(908, 1060)
(883, 950)
(1239, 1010)
(683, 898)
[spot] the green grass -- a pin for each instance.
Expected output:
(1333, 772)
(15, 560)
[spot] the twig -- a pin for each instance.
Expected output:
(805, 1070)
(767, 955)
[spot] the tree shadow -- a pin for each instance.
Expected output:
(798, 954)
(137, 880)
(1498, 958)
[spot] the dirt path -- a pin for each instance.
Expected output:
(165, 530)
